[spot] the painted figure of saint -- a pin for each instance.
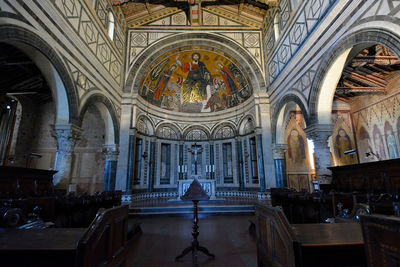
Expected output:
(230, 82)
(163, 82)
(391, 141)
(378, 143)
(194, 88)
(343, 144)
(296, 150)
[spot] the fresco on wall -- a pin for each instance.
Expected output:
(297, 159)
(377, 123)
(342, 139)
(390, 141)
(195, 80)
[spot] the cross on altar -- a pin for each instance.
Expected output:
(195, 150)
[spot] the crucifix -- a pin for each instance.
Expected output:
(195, 150)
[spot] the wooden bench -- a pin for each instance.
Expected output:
(282, 244)
(382, 239)
(103, 243)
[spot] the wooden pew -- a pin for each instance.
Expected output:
(104, 243)
(382, 240)
(282, 244)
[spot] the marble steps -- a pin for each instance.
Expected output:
(187, 210)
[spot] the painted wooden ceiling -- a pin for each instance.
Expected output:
(250, 13)
(368, 72)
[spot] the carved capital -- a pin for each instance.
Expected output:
(67, 136)
(319, 133)
(279, 150)
(111, 152)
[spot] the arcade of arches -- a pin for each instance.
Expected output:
(249, 95)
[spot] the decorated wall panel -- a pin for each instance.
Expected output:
(377, 123)
(297, 157)
(342, 138)
(195, 79)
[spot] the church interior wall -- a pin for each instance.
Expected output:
(88, 160)
(376, 122)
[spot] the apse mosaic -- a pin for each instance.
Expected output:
(195, 80)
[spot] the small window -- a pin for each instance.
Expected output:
(111, 25)
(227, 157)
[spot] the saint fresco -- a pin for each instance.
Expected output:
(195, 81)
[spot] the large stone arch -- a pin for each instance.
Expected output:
(52, 67)
(108, 114)
(246, 62)
(320, 100)
(280, 114)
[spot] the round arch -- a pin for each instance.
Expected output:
(52, 67)
(196, 127)
(245, 60)
(170, 125)
(243, 121)
(149, 123)
(108, 114)
(322, 91)
(280, 114)
(221, 125)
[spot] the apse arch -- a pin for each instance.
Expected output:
(245, 60)
(322, 90)
(52, 68)
(108, 114)
(281, 111)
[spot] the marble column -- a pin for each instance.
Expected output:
(152, 169)
(127, 124)
(110, 167)
(260, 162)
(239, 154)
(212, 163)
(131, 162)
(181, 160)
(278, 153)
(67, 136)
(320, 133)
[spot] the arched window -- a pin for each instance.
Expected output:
(111, 24)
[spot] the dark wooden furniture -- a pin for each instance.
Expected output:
(16, 182)
(195, 193)
(373, 177)
(382, 240)
(282, 244)
(102, 244)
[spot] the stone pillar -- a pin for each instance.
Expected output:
(152, 169)
(320, 133)
(212, 163)
(131, 162)
(110, 167)
(239, 154)
(128, 115)
(263, 127)
(66, 135)
(181, 160)
(278, 153)
(260, 162)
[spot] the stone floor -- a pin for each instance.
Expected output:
(164, 238)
